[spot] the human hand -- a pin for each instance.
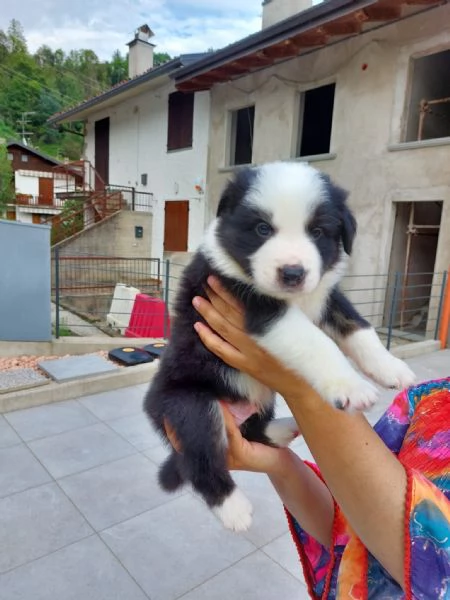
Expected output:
(242, 455)
(226, 338)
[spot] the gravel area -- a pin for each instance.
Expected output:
(11, 363)
(19, 378)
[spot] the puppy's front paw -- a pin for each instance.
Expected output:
(282, 431)
(390, 372)
(351, 393)
(235, 512)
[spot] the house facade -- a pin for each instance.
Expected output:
(361, 91)
(148, 136)
(36, 184)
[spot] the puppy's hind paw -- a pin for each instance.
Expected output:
(282, 431)
(235, 512)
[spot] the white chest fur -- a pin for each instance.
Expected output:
(256, 393)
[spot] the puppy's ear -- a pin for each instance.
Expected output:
(235, 190)
(338, 197)
(348, 229)
(227, 200)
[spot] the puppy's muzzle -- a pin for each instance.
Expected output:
(291, 276)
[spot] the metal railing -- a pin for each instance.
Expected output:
(135, 200)
(39, 200)
(402, 309)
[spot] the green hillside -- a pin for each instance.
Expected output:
(35, 86)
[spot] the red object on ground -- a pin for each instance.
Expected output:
(147, 318)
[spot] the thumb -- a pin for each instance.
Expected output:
(231, 427)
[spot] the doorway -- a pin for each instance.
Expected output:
(102, 153)
(413, 256)
(176, 225)
(45, 191)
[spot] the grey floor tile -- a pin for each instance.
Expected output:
(175, 547)
(137, 430)
(256, 577)
(84, 570)
(75, 451)
(158, 454)
(35, 523)
(19, 470)
(8, 437)
(283, 551)
(42, 421)
(269, 521)
(127, 488)
(115, 404)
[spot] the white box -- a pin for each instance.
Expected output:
(122, 306)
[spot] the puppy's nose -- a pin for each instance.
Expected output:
(291, 275)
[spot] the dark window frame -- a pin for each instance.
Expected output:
(180, 125)
(308, 142)
(434, 123)
(242, 154)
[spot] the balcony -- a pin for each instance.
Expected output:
(39, 201)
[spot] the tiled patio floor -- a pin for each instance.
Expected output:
(82, 517)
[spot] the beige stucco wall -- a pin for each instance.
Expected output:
(114, 236)
(367, 126)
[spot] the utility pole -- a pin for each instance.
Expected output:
(23, 122)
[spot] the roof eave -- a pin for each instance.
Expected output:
(314, 16)
(79, 113)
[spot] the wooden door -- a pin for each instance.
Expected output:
(46, 191)
(11, 215)
(176, 225)
(102, 152)
(36, 219)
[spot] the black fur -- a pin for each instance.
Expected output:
(341, 317)
(190, 380)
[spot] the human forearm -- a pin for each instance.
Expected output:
(305, 496)
(365, 478)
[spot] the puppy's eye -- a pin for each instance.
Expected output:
(316, 233)
(264, 230)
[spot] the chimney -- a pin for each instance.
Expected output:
(278, 10)
(140, 55)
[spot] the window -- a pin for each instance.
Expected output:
(24, 157)
(181, 121)
(316, 120)
(10, 156)
(241, 142)
(429, 101)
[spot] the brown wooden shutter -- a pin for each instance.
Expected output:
(181, 121)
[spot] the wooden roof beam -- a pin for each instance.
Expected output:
(348, 25)
(383, 12)
(192, 86)
(308, 39)
(255, 61)
(285, 49)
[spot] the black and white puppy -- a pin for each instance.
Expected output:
(279, 244)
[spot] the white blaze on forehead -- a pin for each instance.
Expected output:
(289, 192)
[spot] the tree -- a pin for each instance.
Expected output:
(6, 180)
(16, 38)
(160, 58)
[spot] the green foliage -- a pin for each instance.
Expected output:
(69, 221)
(47, 82)
(6, 180)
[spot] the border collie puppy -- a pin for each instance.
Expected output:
(279, 244)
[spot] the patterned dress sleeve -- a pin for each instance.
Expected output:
(425, 454)
(416, 427)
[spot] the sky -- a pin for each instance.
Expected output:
(180, 26)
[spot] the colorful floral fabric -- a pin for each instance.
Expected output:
(416, 428)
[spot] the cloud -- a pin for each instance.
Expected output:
(180, 26)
